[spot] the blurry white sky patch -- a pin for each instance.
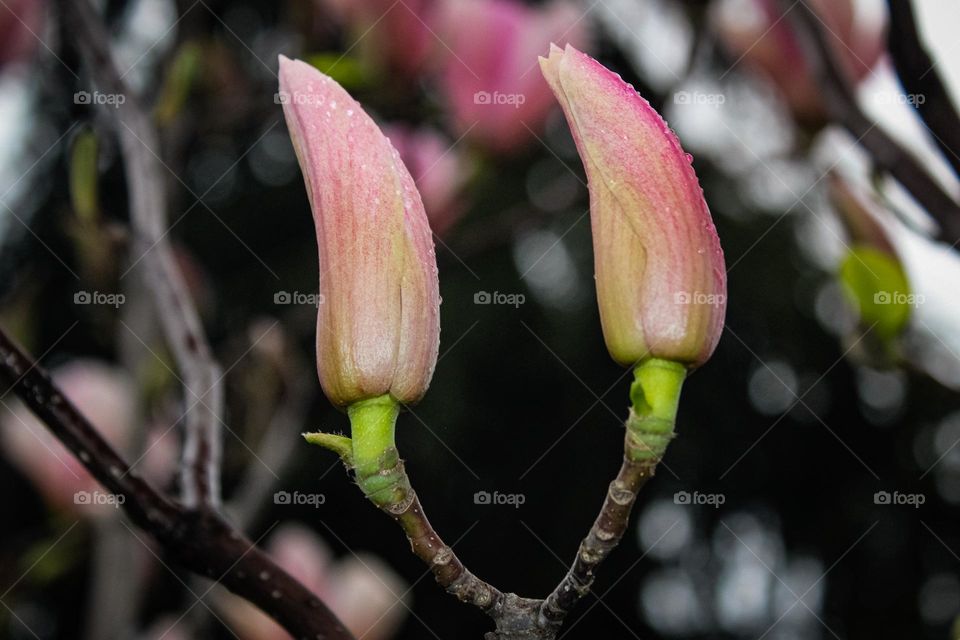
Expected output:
(740, 577)
(669, 601)
(881, 96)
(938, 29)
(16, 96)
(741, 126)
(654, 34)
(739, 123)
(16, 106)
(546, 266)
(934, 273)
(665, 530)
(149, 28)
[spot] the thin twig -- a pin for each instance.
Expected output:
(148, 212)
(886, 152)
(919, 76)
(399, 501)
(515, 617)
(198, 539)
(605, 534)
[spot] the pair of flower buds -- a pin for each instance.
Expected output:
(661, 282)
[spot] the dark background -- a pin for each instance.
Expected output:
(524, 400)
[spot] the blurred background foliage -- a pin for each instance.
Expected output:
(796, 423)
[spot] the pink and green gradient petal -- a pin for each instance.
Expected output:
(661, 280)
(378, 321)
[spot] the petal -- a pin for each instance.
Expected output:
(661, 282)
(372, 237)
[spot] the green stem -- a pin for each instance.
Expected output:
(655, 394)
(375, 459)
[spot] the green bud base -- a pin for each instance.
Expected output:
(371, 451)
(655, 396)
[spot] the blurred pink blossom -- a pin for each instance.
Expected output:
(758, 32)
(489, 76)
(21, 24)
(366, 594)
(105, 396)
(439, 169)
(395, 36)
(169, 627)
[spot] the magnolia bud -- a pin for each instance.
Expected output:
(378, 328)
(661, 280)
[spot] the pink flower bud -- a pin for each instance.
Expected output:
(378, 321)
(661, 283)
